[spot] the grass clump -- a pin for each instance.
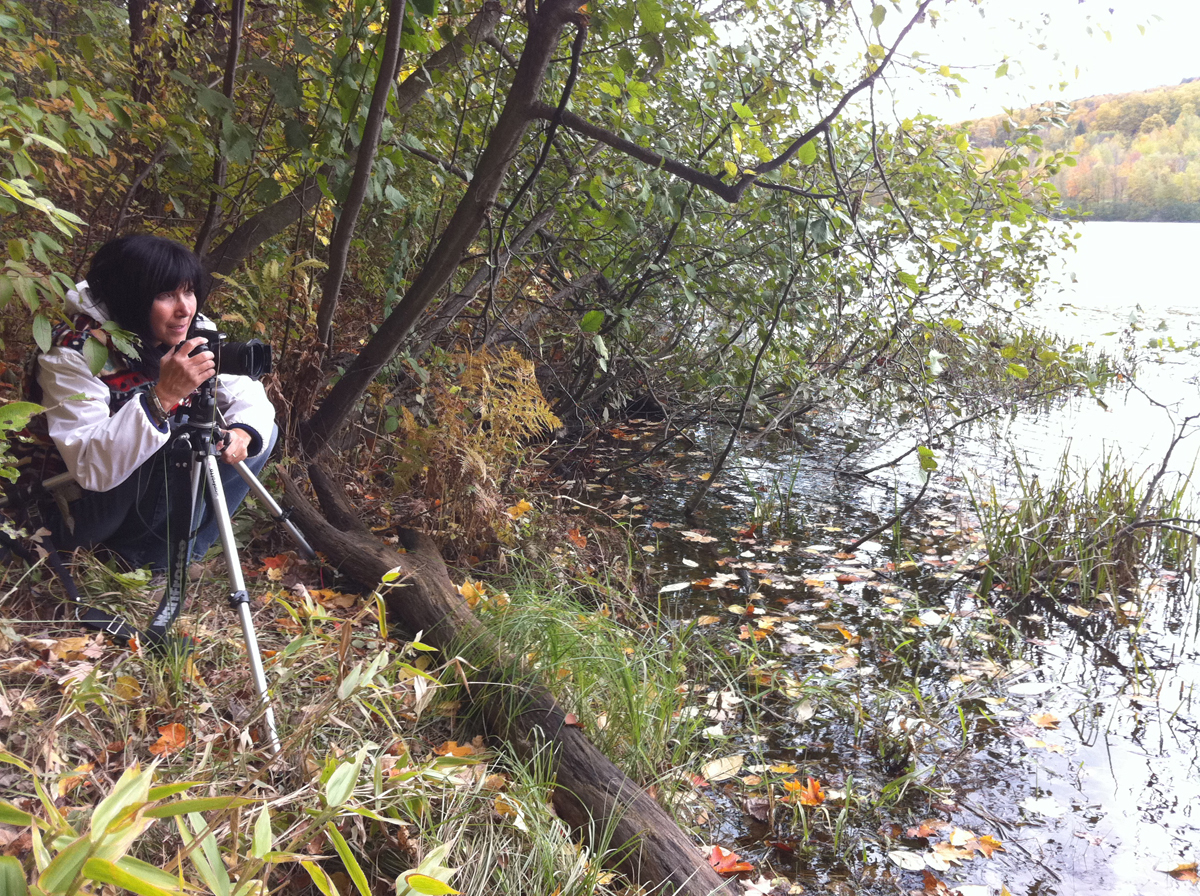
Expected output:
(1088, 531)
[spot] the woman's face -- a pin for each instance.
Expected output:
(170, 314)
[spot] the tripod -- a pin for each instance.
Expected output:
(192, 470)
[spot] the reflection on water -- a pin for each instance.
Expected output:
(1128, 776)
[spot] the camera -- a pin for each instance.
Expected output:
(252, 358)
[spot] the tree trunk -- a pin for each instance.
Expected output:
(591, 794)
(237, 17)
(544, 31)
(343, 232)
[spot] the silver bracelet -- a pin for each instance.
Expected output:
(157, 412)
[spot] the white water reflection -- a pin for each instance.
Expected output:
(1123, 276)
(1131, 772)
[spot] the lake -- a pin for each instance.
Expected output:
(1072, 740)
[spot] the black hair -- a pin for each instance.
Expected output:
(129, 272)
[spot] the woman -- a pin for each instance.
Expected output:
(112, 442)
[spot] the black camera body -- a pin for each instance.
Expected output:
(252, 358)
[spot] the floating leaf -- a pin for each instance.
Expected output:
(1044, 720)
(720, 769)
(726, 861)
(1043, 806)
(908, 860)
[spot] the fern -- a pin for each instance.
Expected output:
(458, 464)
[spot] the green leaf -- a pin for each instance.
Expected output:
(15, 416)
(426, 8)
(876, 51)
(426, 885)
(95, 354)
(927, 459)
(124, 341)
(1020, 371)
(203, 804)
(60, 874)
(320, 878)
(592, 322)
(119, 113)
(742, 111)
(12, 877)
(132, 789)
(349, 862)
(149, 872)
(1002, 70)
(106, 872)
(261, 844)
(206, 859)
(877, 16)
(165, 790)
(341, 783)
(651, 14)
(41, 332)
(807, 154)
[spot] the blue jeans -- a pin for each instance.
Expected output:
(132, 520)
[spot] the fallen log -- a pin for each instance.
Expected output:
(591, 794)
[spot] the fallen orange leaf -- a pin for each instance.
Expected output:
(580, 541)
(812, 794)
(451, 748)
(171, 739)
(81, 774)
(726, 861)
(1185, 873)
(986, 845)
(1044, 720)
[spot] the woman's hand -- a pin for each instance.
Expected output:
(236, 443)
(180, 373)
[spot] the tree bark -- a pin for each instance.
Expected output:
(343, 232)
(545, 28)
(257, 229)
(237, 16)
(141, 22)
(591, 793)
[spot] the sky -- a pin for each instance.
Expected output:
(1046, 42)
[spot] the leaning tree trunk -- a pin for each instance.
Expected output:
(591, 793)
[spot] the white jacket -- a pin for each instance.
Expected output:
(102, 449)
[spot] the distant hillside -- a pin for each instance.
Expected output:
(1139, 153)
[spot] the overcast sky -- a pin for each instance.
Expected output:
(1045, 42)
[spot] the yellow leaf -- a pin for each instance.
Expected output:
(472, 592)
(126, 687)
(519, 509)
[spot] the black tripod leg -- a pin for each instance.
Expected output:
(239, 599)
